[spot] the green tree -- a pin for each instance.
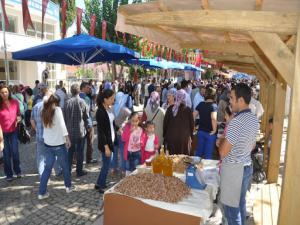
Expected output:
(107, 10)
(71, 11)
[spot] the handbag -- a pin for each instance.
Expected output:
(23, 134)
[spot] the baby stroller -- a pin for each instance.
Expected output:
(257, 156)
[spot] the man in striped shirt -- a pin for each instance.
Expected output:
(235, 152)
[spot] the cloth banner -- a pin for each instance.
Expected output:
(104, 26)
(5, 15)
(93, 24)
(124, 39)
(44, 8)
(79, 19)
(64, 7)
(26, 15)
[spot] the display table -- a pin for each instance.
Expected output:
(120, 209)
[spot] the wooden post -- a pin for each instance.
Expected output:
(269, 111)
(278, 118)
(262, 97)
(290, 200)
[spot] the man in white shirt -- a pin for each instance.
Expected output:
(256, 107)
(199, 97)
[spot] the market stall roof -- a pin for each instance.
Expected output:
(224, 26)
(76, 50)
(260, 37)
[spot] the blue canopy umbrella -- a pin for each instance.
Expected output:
(147, 63)
(77, 50)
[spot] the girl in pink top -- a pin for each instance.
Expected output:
(149, 142)
(132, 135)
(9, 117)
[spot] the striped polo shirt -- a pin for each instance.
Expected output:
(241, 134)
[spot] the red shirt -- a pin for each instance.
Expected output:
(8, 116)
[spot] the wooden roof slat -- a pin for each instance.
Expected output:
(224, 20)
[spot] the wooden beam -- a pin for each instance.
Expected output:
(243, 49)
(278, 118)
(224, 20)
(230, 58)
(289, 202)
(277, 52)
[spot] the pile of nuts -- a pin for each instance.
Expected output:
(154, 186)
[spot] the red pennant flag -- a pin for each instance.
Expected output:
(148, 46)
(175, 56)
(4, 13)
(124, 38)
(154, 50)
(44, 8)
(26, 16)
(104, 26)
(198, 60)
(64, 7)
(143, 50)
(79, 19)
(186, 57)
(117, 35)
(93, 24)
(162, 51)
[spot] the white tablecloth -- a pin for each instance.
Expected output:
(199, 203)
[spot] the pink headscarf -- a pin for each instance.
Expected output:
(180, 99)
(154, 101)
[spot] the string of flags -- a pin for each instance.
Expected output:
(146, 47)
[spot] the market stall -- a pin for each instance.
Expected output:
(193, 209)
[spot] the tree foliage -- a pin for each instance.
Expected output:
(71, 11)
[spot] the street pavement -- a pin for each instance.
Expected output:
(19, 203)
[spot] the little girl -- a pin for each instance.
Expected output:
(132, 135)
(149, 141)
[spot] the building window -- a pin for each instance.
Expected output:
(52, 75)
(13, 70)
(48, 30)
(12, 24)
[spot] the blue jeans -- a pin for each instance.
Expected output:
(134, 159)
(114, 158)
(62, 155)
(11, 151)
(206, 144)
(78, 147)
(40, 156)
(237, 216)
(121, 150)
(101, 181)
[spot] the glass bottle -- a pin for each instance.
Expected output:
(156, 168)
(168, 166)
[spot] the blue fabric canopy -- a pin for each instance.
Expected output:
(76, 50)
(162, 64)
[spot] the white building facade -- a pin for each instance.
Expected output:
(26, 72)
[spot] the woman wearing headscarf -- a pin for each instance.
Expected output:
(121, 112)
(153, 112)
(178, 126)
(170, 98)
(223, 103)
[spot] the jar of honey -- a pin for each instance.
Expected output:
(158, 161)
(168, 166)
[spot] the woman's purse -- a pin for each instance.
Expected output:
(23, 134)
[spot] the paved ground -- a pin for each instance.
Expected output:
(19, 203)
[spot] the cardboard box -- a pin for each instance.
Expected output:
(123, 210)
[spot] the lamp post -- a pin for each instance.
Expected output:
(6, 65)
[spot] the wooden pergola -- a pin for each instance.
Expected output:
(253, 36)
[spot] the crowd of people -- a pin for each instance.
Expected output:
(219, 117)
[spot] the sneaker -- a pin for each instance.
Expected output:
(70, 189)
(19, 175)
(9, 179)
(41, 197)
(83, 173)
